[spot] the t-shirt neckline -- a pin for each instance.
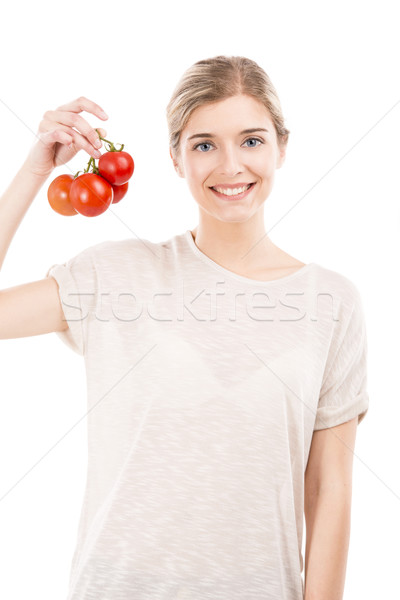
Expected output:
(192, 245)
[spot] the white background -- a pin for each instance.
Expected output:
(335, 202)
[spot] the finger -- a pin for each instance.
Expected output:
(75, 137)
(84, 103)
(74, 120)
(102, 132)
(55, 135)
(79, 140)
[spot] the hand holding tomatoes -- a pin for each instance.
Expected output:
(62, 133)
(92, 193)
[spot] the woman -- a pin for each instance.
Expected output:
(216, 419)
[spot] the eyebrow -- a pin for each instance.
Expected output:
(211, 135)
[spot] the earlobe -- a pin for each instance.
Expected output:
(283, 151)
(282, 157)
(176, 166)
(177, 169)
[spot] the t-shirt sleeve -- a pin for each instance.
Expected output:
(77, 282)
(343, 394)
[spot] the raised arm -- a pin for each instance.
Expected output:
(34, 308)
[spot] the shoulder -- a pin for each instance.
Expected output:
(125, 255)
(330, 279)
(338, 298)
(115, 251)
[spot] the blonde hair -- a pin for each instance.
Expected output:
(218, 78)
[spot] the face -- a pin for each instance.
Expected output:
(229, 158)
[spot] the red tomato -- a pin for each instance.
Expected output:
(91, 195)
(116, 167)
(119, 191)
(58, 195)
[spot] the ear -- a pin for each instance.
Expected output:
(281, 155)
(176, 164)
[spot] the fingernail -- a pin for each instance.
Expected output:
(103, 114)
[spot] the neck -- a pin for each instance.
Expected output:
(235, 246)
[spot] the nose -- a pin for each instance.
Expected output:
(230, 163)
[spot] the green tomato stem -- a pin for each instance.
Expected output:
(111, 147)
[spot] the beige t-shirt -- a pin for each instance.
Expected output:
(204, 388)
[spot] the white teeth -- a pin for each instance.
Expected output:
(232, 192)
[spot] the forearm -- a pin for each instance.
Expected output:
(14, 203)
(328, 518)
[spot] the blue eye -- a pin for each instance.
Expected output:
(256, 139)
(210, 144)
(202, 144)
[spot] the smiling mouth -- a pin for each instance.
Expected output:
(230, 194)
(232, 188)
(233, 196)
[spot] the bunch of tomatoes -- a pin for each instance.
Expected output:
(91, 193)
